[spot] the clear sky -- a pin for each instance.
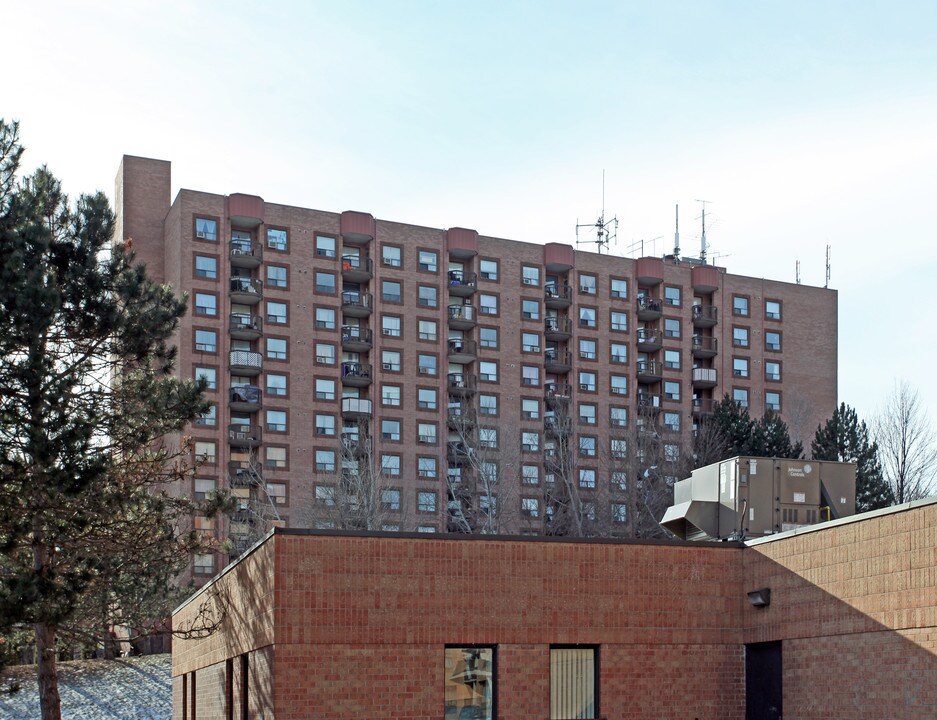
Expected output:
(804, 123)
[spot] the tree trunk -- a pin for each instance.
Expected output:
(50, 704)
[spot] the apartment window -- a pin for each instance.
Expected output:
(672, 359)
(587, 349)
(276, 348)
(427, 330)
(740, 395)
(426, 467)
(530, 375)
(325, 460)
(586, 478)
(530, 310)
(426, 501)
(325, 389)
(204, 564)
(206, 267)
(530, 474)
(276, 276)
(206, 341)
(390, 395)
(277, 239)
(426, 433)
(740, 367)
(488, 304)
(619, 512)
(206, 229)
(587, 317)
(530, 507)
(391, 256)
(325, 318)
(671, 453)
(276, 312)
(587, 445)
(740, 337)
(619, 321)
(530, 275)
(671, 328)
(530, 441)
(205, 452)
(740, 305)
(325, 283)
(618, 416)
(488, 438)
(325, 353)
(618, 447)
(325, 495)
(428, 260)
(587, 413)
(672, 421)
(488, 269)
(390, 291)
(530, 342)
(207, 375)
(587, 284)
(206, 304)
(773, 309)
(672, 296)
(773, 401)
(772, 370)
(586, 381)
(275, 457)
(530, 408)
(619, 384)
(426, 399)
(325, 246)
(276, 420)
(619, 480)
(204, 487)
(488, 337)
(391, 325)
(390, 465)
(488, 404)
(488, 371)
(390, 430)
(427, 364)
(672, 390)
(772, 340)
(427, 296)
(470, 682)
(325, 424)
(390, 499)
(619, 288)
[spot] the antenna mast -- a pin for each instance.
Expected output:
(827, 267)
(676, 235)
(798, 272)
(703, 244)
(606, 232)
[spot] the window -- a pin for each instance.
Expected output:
(773, 309)
(426, 467)
(276, 276)
(740, 337)
(773, 401)
(619, 353)
(325, 424)
(276, 239)
(573, 683)
(530, 409)
(325, 353)
(206, 267)
(325, 246)
(426, 399)
(740, 367)
(390, 291)
(619, 321)
(586, 478)
(530, 275)
(530, 474)
(488, 371)
(391, 325)
(671, 452)
(488, 438)
(530, 507)
(587, 349)
(325, 318)
(427, 296)
(587, 284)
(487, 304)
(325, 495)
(206, 229)
(488, 404)
(206, 340)
(325, 283)
(530, 310)
(772, 340)
(470, 682)
(619, 384)
(427, 330)
(619, 480)
(672, 296)
(206, 304)
(619, 512)
(427, 364)
(205, 452)
(428, 260)
(276, 420)
(618, 447)
(325, 389)
(426, 501)
(390, 499)
(672, 390)
(325, 460)
(530, 375)
(209, 376)
(672, 421)
(672, 359)
(619, 288)
(618, 416)
(587, 414)
(587, 445)
(740, 305)
(204, 487)
(275, 458)
(276, 312)
(390, 395)
(390, 430)
(390, 465)
(426, 433)
(530, 342)
(671, 328)
(587, 317)
(772, 370)
(391, 256)
(276, 348)
(488, 337)
(530, 441)
(204, 564)
(488, 269)
(740, 395)
(587, 381)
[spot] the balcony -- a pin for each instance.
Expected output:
(246, 291)
(356, 374)
(557, 328)
(356, 304)
(461, 384)
(460, 416)
(557, 427)
(356, 408)
(705, 378)
(557, 362)
(556, 393)
(462, 283)
(244, 474)
(649, 308)
(704, 347)
(356, 339)
(244, 326)
(245, 435)
(354, 445)
(557, 296)
(246, 253)
(649, 271)
(649, 340)
(555, 459)
(357, 268)
(458, 453)
(702, 406)
(245, 362)
(649, 371)
(244, 398)
(705, 316)
(461, 350)
(648, 403)
(461, 317)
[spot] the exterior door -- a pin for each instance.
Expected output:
(763, 681)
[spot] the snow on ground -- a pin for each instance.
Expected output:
(137, 688)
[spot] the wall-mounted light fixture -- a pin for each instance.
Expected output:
(760, 598)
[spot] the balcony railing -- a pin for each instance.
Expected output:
(462, 283)
(557, 295)
(356, 303)
(245, 325)
(705, 315)
(245, 360)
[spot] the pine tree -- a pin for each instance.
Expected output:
(771, 438)
(735, 425)
(846, 439)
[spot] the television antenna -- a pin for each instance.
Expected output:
(827, 267)
(606, 231)
(703, 243)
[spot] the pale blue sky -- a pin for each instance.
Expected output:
(805, 123)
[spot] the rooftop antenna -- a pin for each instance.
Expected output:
(606, 232)
(703, 243)
(676, 235)
(798, 272)
(827, 267)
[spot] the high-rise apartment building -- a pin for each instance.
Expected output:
(474, 383)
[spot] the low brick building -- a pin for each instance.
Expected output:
(337, 625)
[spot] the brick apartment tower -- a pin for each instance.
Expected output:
(443, 357)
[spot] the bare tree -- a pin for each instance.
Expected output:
(907, 445)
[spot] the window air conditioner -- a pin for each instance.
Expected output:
(583, 386)
(426, 371)
(201, 234)
(529, 281)
(387, 366)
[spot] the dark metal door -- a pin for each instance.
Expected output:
(763, 681)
